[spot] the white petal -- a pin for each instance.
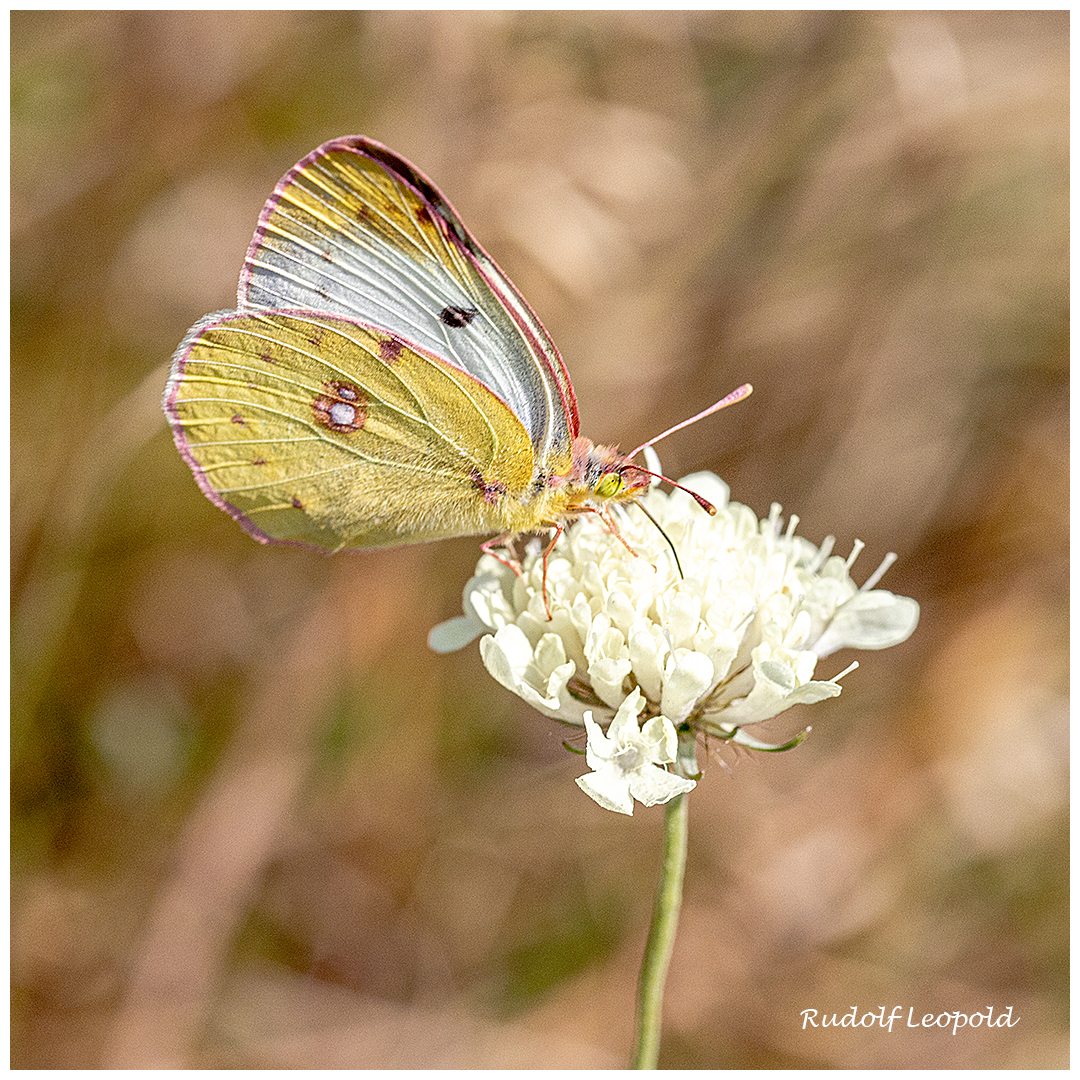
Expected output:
(607, 678)
(720, 647)
(625, 723)
(618, 608)
(870, 620)
(604, 640)
(486, 599)
(816, 690)
(659, 733)
(769, 697)
(651, 785)
(686, 680)
(648, 650)
(510, 651)
(485, 608)
(709, 486)
(454, 634)
(609, 663)
(609, 788)
(652, 463)
(681, 618)
(599, 748)
(549, 654)
(777, 673)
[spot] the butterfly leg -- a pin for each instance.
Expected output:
(559, 529)
(609, 521)
(604, 514)
(488, 548)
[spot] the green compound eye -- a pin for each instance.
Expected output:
(610, 484)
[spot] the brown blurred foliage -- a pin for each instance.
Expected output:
(256, 823)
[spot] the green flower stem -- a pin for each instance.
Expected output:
(665, 921)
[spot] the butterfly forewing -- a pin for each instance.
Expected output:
(317, 429)
(355, 230)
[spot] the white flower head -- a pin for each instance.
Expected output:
(726, 635)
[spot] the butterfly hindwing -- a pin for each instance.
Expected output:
(317, 429)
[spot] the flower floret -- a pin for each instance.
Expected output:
(627, 761)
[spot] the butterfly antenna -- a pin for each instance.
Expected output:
(699, 499)
(743, 391)
(678, 565)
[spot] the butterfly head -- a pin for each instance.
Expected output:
(600, 475)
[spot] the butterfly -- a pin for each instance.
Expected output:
(382, 381)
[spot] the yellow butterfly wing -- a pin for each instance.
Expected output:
(321, 430)
(354, 229)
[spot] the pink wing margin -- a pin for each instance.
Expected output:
(169, 403)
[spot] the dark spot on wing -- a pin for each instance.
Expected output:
(390, 350)
(491, 490)
(457, 316)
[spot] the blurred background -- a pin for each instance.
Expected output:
(257, 823)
